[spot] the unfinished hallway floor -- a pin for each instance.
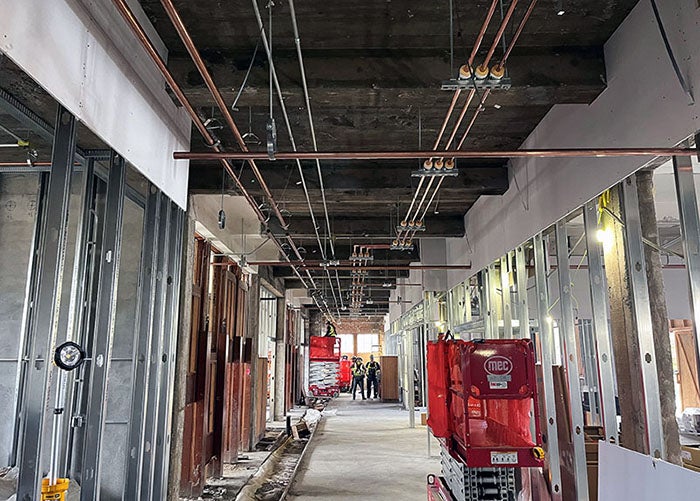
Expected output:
(366, 451)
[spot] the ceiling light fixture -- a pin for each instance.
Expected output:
(560, 8)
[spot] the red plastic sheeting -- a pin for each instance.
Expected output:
(439, 418)
(345, 375)
(481, 394)
(324, 348)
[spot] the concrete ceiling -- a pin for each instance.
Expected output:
(373, 67)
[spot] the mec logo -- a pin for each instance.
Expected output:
(498, 365)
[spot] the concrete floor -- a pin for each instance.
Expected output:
(366, 451)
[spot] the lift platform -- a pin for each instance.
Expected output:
(483, 408)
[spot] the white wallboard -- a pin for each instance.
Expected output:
(624, 474)
(635, 110)
(85, 56)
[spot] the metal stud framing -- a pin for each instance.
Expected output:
(154, 361)
(168, 354)
(600, 322)
(634, 248)
(495, 302)
(568, 331)
(521, 279)
(143, 345)
(547, 345)
(690, 227)
(43, 325)
(505, 296)
(103, 331)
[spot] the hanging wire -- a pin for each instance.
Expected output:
(247, 74)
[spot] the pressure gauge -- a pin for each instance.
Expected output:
(69, 356)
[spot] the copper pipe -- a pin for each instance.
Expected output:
(482, 33)
(526, 16)
(475, 50)
(398, 155)
(499, 35)
(447, 118)
(461, 117)
(317, 266)
(218, 98)
(478, 110)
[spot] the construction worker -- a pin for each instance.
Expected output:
(358, 378)
(372, 370)
(330, 329)
(352, 382)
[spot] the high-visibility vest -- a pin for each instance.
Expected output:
(372, 369)
(358, 370)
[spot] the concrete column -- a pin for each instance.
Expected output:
(253, 332)
(280, 361)
(183, 359)
(623, 332)
(657, 299)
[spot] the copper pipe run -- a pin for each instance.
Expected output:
(140, 34)
(499, 35)
(477, 112)
(475, 50)
(218, 98)
(517, 33)
(399, 155)
(317, 266)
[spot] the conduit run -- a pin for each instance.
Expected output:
(140, 34)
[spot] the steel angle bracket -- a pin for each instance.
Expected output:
(469, 84)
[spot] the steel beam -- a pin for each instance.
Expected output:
(103, 331)
(636, 265)
(690, 228)
(43, 321)
(567, 329)
(546, 354)
(601, 328)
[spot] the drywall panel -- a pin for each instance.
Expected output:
(86, 57)
(642, 106)
(624, 474)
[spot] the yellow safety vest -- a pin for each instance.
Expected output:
(358, 370)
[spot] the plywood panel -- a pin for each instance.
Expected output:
(687, 367)
(389, 385)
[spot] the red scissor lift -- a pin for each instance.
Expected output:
(483, 408)
(324, 366)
